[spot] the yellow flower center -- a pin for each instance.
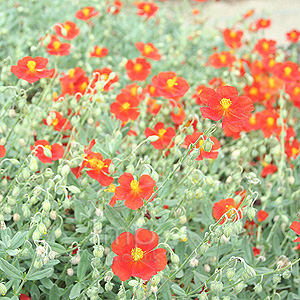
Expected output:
(295, 151)
(263, 23)
(56, 45)
(171, 82)
(138, 67)
(232, 34)
(133, 91)
(225, 102)
(31, 65)
(265, 46)
(293, 35)
(67, 27)
(55, 122)
(111, 188)
(147, 8)
(86, 11)
(134, 184)
(83, 86)
(71, 73)
(229, 207)
(271, 62)
(48, 147)
(96, 164)
(223, 58)
(253, 91)
(270, 121)
(200, 143)
(161, 132)
(297, 90)
(287, 71)
(126, 105)
(148, 49)
(272, 82)
(98, 50)
(137, 253)
(152, 89)
(252, 120)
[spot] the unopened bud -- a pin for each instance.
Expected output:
(57, 233)
(46, 206)
(194, 262)
(175, 258)
(70, 272)
(3, 289)
(216, 286)
(153, 138)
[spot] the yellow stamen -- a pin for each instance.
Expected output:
(148, 49)
(126, 105)
(134, 184)
(86, 12)
(253, 91)
(137, 253)
(252, 120)
(232, 34)
(71, 73)
(225, 102)
(288, 71)
(265, 46)
(295, 151)
(96, 163)
(48, 147)
(98, 51)
(31, 65)
(147, 8)
(270, 121)
(171, 82)
(272, 82)
(138, 67)
(56, 45)
(55, 122)
(161, 132)
(223, 58)
(67, 27)
(297, 90)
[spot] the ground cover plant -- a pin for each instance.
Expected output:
(146, 154)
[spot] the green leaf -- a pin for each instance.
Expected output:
(9, 270)
(178, 290)
(83, 265)
(33, 275)
(57, 248)
(276, 245)
(114, 217)
(54, 293)
(18, 239)
(75, 292)
(199, 278)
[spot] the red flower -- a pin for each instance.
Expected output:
(58, 122)
(32, 69)
(67, 30)
(268, 169)
(125, 108)
(226, 102)
(196, 95)
(104, 74)
(169, 85)
(265, 47)
(221, 60)
(147, 9)
(256, 251)
(211, 153)
(2, 151)
(86, 13)
(138, 69)
(287, 71)
(99, 52)
(56, 151)
(115, 8)
(98, 167)
(165, 135)
(24, 297)
(262, 23)
(134, 90)
(292, 149)
(223, 207)
(153, 106)
(233, 39)
(296, 228)
(132, 191)
(293, 36)
(267, 120)
(55, 47)
(177, 115)
(148, 50)
(261, 215)
(293, 89)
(135, 255)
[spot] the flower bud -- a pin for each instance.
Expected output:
(57, 233)
(194, 262)
(16, 217)
(46, 206)
(40, 250)
(286, 274)
(203, 296)
(204, 247)
(152, 138)
(182, 219)
(249, 272)
(175, 258)
(98, 251)
(42, 228)
(33, 164)
(25, 174)
(53, 215)
(3, 289)
(207, 146)
(65, 170)
(108, 286)
(228, 229)
(230, 273)
(70, 272)
(258, 288)
(207, 268)
(276, 278)
(250, 212)
(216, 286)
(239, 287)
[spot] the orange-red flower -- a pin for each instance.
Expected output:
(267, 120)
(261, 215)
(296, 228)
(221, 60)
(177, 114)
(56, 151)
(86, 13)
(2, 151)
(125, 108)
(138, 69)
(287, 71)
(265, 47)
(262, 23)
(59, 122)
(226, 207)
(233, 38)
(169, 85)
(204, 152)
(165, 135)
(104, 74)
(226, 102)
(24, 297)
(293, 90)
(32, 69)
(134, 90)
(97, 165)
(136, 255)
(67, 30)
(132, 191)
(268, 169)
(115, 8)
(147, 9)
(148, 50)
(56, 47)
(293, 36)
(256, 251)
(292, 149)
(196, 95)
(99, 52)
(153, 107)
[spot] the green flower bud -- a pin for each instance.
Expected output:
(47, 222)
(3, 289)
(250, 212)
(46, 206)
(65, 170)
(33, 165)
(258, 288)
(248, 273)
(26, 213)
(15, 192)
(42, 228)
(109, 286)
(175, 258)
(204, 247)
(228, 229)
(152, 138)
(207, 146)
(98, 251)
(239, 287)
(57, 233)
(216, 286)
(230, 273)
(11, 201)
(203, 296)
(286, 274)
(276, 278)
(7, 209)
(237, 227)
